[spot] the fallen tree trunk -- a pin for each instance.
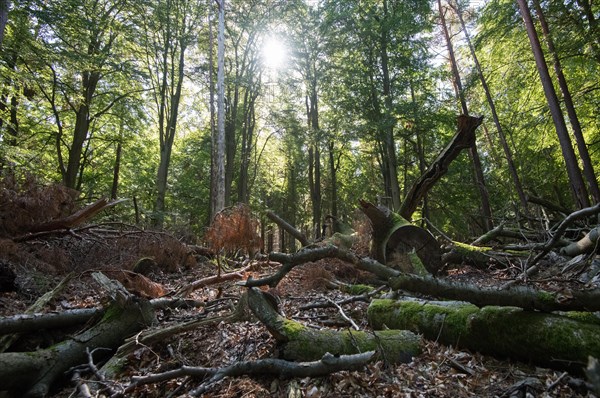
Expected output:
(24, 323)
(518, 296)
(395, 240)
(31, 374)
(587, 244)
(543, 339)
(300, 343)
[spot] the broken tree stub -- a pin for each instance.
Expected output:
(396, 241)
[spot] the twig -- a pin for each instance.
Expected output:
(343, 314)
(530, 267)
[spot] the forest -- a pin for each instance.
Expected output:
(299, 198)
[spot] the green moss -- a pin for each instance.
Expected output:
(418, 266)
(357, 289)
(292, 329)
(582, 316)
(465, 248)
(546, 297)
(113, 311)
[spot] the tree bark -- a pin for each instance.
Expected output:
(31, 374)
(4, 6)
(462, 140)
(301, 343)
(389, 119)
(486, 210)
(588, 168)
(576, 182)
(393, 237)
(544, 339)
(288, 228)
(507, 152)
(219, 153)
(523, 297)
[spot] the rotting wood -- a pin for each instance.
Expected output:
(31, 374)
(300, 343)
(8, 340)
(543, 339)
(519, 296)
(588, 244)
(395, 239)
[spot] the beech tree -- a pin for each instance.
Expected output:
(168, 31)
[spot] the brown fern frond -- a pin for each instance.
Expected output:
(234, 229)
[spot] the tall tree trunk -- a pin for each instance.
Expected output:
(477, 168)
(89, 82)
(389, 119)
(588, 168)
(419, 146)
(116, 169)
(576, 182)
(170, 129)
(314, 154)
(507, 152)
(219, 179)
(4, 6)
(213, 132)
(333, 177)
(250, 97)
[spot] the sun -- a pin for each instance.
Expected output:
(274, 53)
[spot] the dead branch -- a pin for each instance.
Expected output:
(560, 230)
(8, 340)
(288, 228)
(212, 280)
(326, 365)
(463, 139)
(289, 261)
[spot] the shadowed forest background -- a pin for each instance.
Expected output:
(186, 148)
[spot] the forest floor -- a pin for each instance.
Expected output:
(440, 371)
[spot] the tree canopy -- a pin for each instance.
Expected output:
(325, 102)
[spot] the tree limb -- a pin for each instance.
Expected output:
(288, 228)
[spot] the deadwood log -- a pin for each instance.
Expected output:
(395, 239)
(76, 218)
(543, 339)
(24, 323)
(288, 228)
(516, 296)
(7, 340)
(278, 367)
(480, 256)
(587, 244)
(463, 139)
(31, 374)
(300, 343)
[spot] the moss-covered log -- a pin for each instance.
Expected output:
(479, 256)
(395, 240)
(543, 339)
(300, 343)
(31, 374)
(518, 296)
